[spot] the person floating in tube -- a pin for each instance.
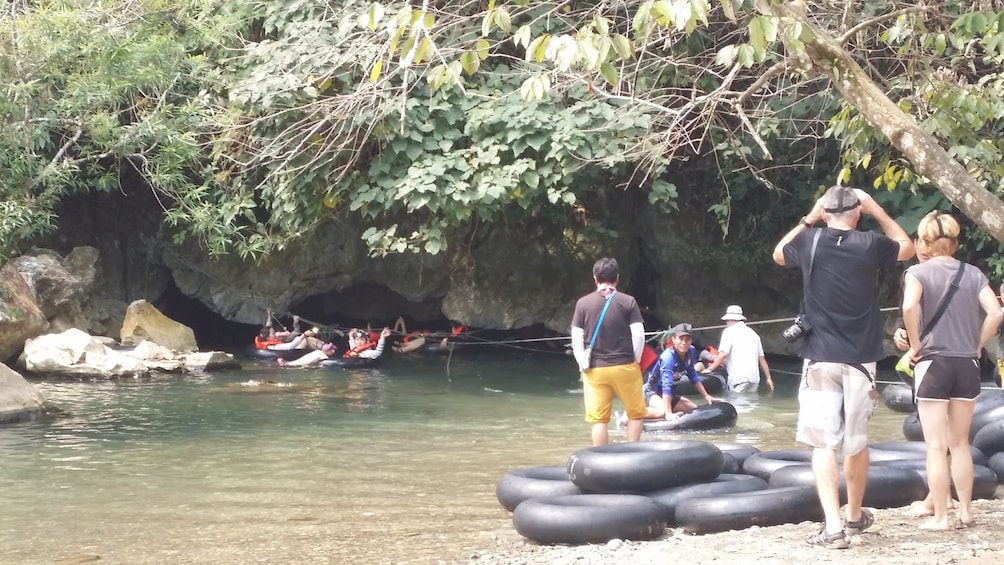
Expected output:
(675, 361)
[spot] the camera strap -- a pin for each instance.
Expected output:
(808, 271)
(944, 302)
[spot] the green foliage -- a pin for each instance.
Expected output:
(94, 90)
(465, 158)
(255, 122)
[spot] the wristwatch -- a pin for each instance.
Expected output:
(805, 222)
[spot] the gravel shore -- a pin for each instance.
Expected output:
(893, 540)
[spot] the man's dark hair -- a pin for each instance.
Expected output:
(606, 270)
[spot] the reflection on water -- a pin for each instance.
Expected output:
(392, 465)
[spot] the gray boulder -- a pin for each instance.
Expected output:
(60, 285)
(19, 399)
(20, 316)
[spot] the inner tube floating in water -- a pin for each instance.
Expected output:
(520, 485)
(350, 362)
(644, 466)
(713, 384)
(726, 483)
(272, 354)
(704, 417)
(887, 487)
(898, 397)
(912, 430)
(425, 345)
(739, 511)
(589, 518)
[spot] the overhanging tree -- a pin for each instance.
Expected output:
(255, 121)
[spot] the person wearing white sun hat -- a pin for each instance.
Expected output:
(741, 351)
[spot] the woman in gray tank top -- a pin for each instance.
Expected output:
(941, 310)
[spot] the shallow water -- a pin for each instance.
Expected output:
(389, 465)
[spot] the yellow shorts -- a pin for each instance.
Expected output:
(602, 383)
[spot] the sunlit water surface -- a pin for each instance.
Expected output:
(389, 465)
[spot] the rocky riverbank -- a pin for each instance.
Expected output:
(894, 540)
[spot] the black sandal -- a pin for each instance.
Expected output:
(838, 540)
(866, 521)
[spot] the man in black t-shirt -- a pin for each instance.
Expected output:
(608, 336)
(837, 392)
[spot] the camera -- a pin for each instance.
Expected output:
(797, 330)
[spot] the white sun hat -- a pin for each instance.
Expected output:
(734, 312)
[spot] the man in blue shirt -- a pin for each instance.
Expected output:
(675, 362)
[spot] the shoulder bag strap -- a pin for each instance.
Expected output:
(596, 331)
(944, 302)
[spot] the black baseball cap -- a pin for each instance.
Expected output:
(682, 329)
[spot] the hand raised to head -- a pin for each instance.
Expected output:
(866, 201)
(816, 214)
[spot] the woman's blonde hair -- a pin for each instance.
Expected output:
(938, 234)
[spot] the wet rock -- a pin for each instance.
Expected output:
(74, 353)
(20, 316)
(209, 361)
(19, 399)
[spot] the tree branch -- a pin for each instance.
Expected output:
(772, 72)
(846, 36)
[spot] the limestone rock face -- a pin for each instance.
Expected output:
(144, 322)
(61, 285)
(75, 353)
(512, 278)
(20, 316)
(19, 399)
(328, 261)
(65, 291)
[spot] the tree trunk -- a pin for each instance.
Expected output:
(931, 160)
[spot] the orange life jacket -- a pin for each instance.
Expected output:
(264, 343)
(459, 330)
(413, 335)
(355, 351)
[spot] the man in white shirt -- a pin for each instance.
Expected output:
(741, 351)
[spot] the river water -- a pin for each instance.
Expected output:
(389, 465)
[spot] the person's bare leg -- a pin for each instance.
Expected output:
(824, 468)
(933, 422)
(922, 508)
(656, 408)
(684, 404)
(600, 434)
(960, 418)
(634, 429)
(856, 477)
